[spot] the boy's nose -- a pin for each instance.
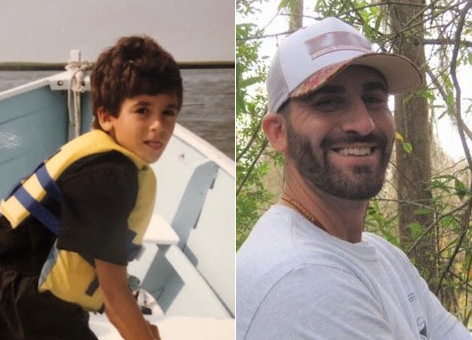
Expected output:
(155, 123)
(358, 119)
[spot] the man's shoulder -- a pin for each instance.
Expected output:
(281, 244)
(382, 245)
(391, 256)
(269, 241)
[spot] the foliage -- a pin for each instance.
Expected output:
(250, 108)
(450, 197)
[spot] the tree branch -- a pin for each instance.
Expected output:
(464, 224)
(443, 94)
(264, 145)
(253, 137)
(445, 41)
(432, 225)
(455, 52)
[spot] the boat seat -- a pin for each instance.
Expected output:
(160, 243)
(196, 297)
(160, 232)
(191, 205)
(173, 278)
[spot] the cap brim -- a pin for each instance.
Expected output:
(399, 72)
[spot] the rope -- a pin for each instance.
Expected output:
(76, 87)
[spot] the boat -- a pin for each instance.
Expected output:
(184, 279)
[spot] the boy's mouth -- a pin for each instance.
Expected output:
(154, 144)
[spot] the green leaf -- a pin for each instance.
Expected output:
(249, 81)
(416, 229)
(283, 4)
(461, 190)
(390, 237)
(407, 147)
(423, 211)
(428, 95)
(378, 21)
(437, 184)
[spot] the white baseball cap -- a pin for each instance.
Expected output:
(310, 57)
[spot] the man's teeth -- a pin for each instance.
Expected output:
(355, 151)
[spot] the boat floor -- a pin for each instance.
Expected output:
(172, 327)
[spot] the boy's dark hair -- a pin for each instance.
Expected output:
(134, 66)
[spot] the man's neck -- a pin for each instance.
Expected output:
(342, 218)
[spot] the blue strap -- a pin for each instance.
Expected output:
(37, 210)
(132, 249)
(92, 287)
(48, 183)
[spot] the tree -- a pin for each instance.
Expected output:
(413, 168)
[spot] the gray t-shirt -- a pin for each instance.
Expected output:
(295, 281)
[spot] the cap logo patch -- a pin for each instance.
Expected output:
(334, 41)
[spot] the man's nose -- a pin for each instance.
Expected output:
(358, 119)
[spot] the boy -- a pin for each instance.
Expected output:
(69, 230)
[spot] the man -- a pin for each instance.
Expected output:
(307, 271)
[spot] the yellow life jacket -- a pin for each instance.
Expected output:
(66, 274)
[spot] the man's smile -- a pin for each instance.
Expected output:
(354, 151)
(355, 155)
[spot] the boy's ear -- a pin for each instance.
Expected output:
(274, 127)
(105, 119)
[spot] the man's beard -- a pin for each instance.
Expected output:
(363, 183)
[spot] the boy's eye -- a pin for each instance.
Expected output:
(142, 110)
(170, 112)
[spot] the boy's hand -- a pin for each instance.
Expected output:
(154, 330)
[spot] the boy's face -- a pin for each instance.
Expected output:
(144, 124)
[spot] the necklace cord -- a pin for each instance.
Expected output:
(302, 210)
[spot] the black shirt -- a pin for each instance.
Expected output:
(99, 193)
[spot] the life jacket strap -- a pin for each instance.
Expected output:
(48, 183)
(92, 287)
(36, 209)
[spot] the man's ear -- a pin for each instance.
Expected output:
(105, 119)
(275, 129)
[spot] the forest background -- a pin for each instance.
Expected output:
(426, 204)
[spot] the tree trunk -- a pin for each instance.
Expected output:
(413, 175)
(296, 15)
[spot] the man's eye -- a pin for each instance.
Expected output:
(328, 104)
(142, 110)
(376, 100)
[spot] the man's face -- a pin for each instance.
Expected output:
(340, 136)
